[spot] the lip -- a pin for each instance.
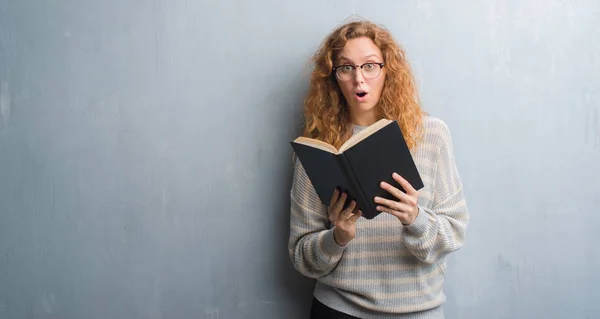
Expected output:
(361, 98)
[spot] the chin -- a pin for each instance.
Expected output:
(363, 108)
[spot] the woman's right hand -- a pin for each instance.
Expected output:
(343, 219)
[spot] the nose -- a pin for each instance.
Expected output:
(358, 76)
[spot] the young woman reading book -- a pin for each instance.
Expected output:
(391, 266)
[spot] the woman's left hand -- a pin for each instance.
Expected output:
(405, 209)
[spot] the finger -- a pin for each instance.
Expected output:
(355, 216)
(404, 183)
(397, 214)
(386, 202)
(331, 209)
(402, 207)
(394, 191)
(348, 211)
(402, 216)
(334, 197)
(407, 203)
(339, 206)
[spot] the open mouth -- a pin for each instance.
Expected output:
(361, 94)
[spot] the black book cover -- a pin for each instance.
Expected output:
(323, 170)
(376, 158)
(360, 169)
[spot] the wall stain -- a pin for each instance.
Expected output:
(505, 265)
(211, 313)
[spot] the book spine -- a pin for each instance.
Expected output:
(356, 192)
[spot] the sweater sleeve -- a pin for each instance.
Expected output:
(312, 248)
(438, 231)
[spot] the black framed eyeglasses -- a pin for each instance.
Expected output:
(370, 70)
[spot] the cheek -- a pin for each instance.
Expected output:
(378, 86)
(346, 89)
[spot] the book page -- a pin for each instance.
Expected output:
(316, 144)
(364, 134)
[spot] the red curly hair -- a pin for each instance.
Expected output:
(326, 115)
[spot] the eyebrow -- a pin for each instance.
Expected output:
(372, 55)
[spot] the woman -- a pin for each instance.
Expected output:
(391, 266)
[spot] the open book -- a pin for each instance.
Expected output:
(359, 165)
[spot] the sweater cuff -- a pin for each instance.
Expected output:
(419, 226)
(330, 246)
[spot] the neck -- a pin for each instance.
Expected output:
(364, 119)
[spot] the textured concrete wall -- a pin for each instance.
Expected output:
(145, 164)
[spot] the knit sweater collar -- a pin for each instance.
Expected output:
(357, 128)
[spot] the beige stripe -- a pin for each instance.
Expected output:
(380, 240)
(436, 287)
(422, 294)
(391, 222)
(299, 207)
(311, 204)
(457, 208)
(453, 245)
(435, 272)
(313, 226)
(426, 164)
(405, 307)
(376, 254)
(302, 212)
(345, 268)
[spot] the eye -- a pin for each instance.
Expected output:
(369, 66)
(347, 68)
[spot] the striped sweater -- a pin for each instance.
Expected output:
(388, 270)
